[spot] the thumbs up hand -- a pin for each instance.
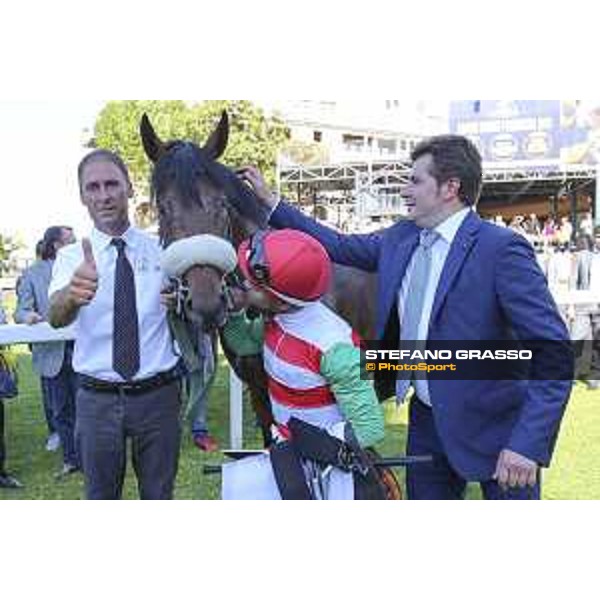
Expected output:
(84, 285)
(88, 253)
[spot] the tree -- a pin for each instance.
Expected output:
(254, 139)
(306, 153)
(7, 247)
(117, 129)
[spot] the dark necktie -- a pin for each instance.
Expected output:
(126, 339)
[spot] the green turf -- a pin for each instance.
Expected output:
(575, 473)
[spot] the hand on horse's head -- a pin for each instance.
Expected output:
(255, 180)
(168, 298)
(84, 285)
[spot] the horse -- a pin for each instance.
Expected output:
(198, 197)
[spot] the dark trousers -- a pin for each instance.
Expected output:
(47, 404)
(62, 391)
(151, 420)
(2, 444)
(439, 481)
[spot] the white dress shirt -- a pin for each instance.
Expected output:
(439, 253)
(94, 324)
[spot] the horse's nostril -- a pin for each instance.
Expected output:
(221, 318)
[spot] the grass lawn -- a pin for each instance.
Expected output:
(574, 475)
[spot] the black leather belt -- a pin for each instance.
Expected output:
(130, 387)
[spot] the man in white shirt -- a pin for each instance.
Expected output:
(110, 286)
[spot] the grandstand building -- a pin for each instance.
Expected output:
(368, 150)
(351, 131)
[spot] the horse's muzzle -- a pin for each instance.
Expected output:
(201, 265)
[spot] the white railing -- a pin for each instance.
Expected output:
(43, 333)
(34, 334)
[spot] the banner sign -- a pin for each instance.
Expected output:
(511, 132)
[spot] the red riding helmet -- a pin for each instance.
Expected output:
(290, 264)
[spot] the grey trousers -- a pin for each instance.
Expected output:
(151, 420)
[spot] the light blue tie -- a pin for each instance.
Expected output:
(413, 305)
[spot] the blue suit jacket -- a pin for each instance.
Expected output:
(491, 289)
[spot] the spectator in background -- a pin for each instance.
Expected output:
(549, 231)
(3, 319)
(38, 256)
(533, 226)
(6, 480)
(583, 262)
(51, 361)
(53, 441)
(499, 221)
(597, 240)
(560, 270)
(565, 232)
(595, 268)
(206, 372)
(586, 227)
(533, 231)
(517, 226)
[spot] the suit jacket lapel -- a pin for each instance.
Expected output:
(460, 249)
(395, 274)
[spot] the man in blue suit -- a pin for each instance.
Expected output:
(447, 275)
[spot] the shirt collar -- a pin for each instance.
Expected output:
(449, 228)
(299, 315)
(102, 241)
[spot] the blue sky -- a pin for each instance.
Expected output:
(40, 147)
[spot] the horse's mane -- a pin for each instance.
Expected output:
(183, 163)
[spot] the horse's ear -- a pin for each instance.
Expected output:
(217, 143)
(153, 145)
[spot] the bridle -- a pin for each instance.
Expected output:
(257, 258)
(182, 294)
(230, 277)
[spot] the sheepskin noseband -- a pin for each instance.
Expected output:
(201, 250)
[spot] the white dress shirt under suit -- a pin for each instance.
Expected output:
(439, 253)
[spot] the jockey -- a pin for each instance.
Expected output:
(312, 357)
